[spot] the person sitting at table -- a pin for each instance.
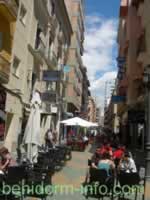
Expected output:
(118, 154)
(49, 138)
(6, 159)
(105, 148)
(3, 166)
(106, 163)
(127, 164)
(92, 163)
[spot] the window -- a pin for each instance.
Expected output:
(16, 64)
(23, 15)
(34, 78)
(1, 40)
(38, 39)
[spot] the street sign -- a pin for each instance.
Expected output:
(52, 75)
(67, 68)
(118, 99)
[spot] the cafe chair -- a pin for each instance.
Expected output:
(98, 185)
(128, 179)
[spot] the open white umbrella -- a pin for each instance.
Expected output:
(32, 138)
(77, 121)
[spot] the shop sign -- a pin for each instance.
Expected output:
(52, 75)
(67, 68)
(118, 99)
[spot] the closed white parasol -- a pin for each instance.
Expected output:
(32, 137)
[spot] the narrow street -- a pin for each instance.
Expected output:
(73, 174)
(74, 99)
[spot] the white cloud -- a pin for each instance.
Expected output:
(99, 85)
(100, 43)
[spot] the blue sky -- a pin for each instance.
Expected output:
(100, 44)
(107, 8)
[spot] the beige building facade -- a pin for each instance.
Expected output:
(41, 41)
(91, 110)
(8, 17)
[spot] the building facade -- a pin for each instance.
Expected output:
(75, 76)
(91, 110)
(8, 17)
(41, 41)
(132, 59)
(85, 94)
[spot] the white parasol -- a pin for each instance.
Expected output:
(77, 121)
(32, 137)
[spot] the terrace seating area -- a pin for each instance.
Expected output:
(112, 173)
(32, 180)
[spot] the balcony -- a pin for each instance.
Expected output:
(4, 69)
(9, 8)
(39, 50)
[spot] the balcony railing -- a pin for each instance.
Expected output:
(4, 69)
(12, 5)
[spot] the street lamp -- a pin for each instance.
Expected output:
(147, 142)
